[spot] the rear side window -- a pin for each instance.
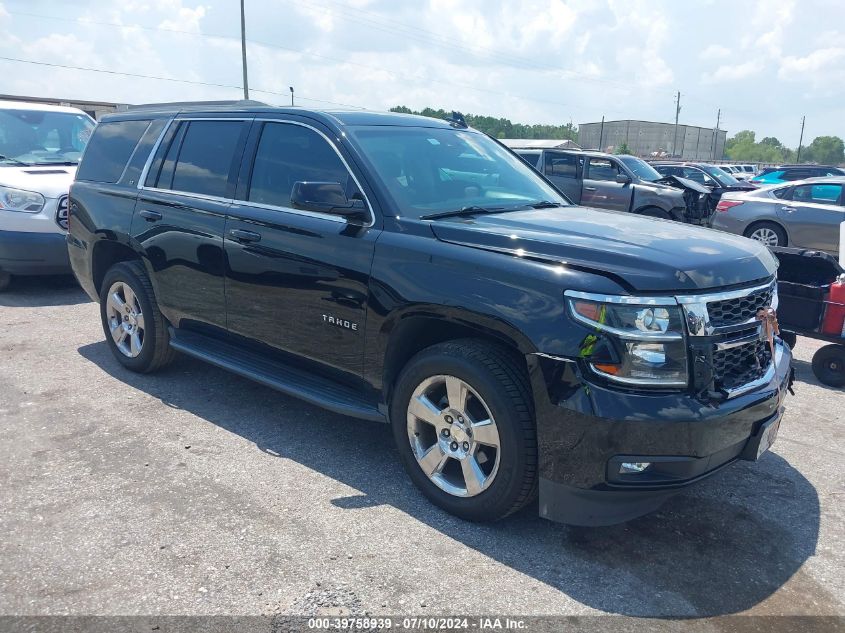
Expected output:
(288, 154)
(819, 194)
(110, 149)
(565, 165)
(204, 159)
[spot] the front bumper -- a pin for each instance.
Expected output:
(24, 253)
(585, 431)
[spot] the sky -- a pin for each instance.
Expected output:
(765, 63)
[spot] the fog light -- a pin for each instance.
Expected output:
(628, 468)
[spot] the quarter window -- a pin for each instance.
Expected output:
(110, 149)
(288, 154)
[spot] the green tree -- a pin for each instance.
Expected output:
(501, 127)
(623, 149)
(827, 150)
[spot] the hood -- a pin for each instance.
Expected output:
(645, 254)
(51, 181)
(677, 182)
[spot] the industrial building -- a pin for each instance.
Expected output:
(648, 139)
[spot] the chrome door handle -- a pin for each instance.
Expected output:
(589, 188)
(244, 236)
(790, 209)
(150, 216)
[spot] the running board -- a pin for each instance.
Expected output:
(276, 375)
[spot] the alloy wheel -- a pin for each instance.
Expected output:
(453, 436)
(765, 235)
(125, 319)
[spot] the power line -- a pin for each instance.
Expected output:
(171, 79)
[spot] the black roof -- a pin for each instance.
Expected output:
(338, 118)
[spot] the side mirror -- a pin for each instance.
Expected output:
(623, 179)
(326, 197)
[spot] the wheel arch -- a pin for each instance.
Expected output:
(412, 332)
(107, 253)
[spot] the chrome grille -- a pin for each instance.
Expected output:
(61, 213)
(740, 365)
(740, 309)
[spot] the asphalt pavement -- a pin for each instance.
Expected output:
(196, 492)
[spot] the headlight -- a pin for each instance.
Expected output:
(20, 200)
(643, 340)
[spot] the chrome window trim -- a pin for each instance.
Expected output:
(145, 171)
(316, 214)
(190, 194)
(309, 214)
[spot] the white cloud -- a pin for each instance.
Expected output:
(714, 51)
(733, 72)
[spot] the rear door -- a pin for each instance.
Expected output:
(298, 280)
(812, 215)
(180, 217)
(563, 170)
(600, 188)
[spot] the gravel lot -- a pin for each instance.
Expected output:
(197, 492)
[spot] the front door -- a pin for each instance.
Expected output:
(297, 281)
(813, 215)
(600, 188)
(180, 216)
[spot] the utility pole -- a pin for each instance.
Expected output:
(716, 134)
(601, 134)
(677, 113)
(800, 140)
(243, 50)
(291, 95)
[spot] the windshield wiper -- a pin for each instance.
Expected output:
(545, 204)
(464, 211)
(13, 160)
(68, 163)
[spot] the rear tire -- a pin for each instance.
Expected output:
(474, 433)
(5, 280)
(768, 233)
(829, 365)
(135, 330)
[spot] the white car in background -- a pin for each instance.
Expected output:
(40, 148)
(740, 172)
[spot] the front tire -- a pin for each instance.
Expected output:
(463, 424)
(135, 330)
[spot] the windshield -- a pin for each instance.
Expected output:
(431, 170)
(39, 137)
(721, 175)
(641, 169)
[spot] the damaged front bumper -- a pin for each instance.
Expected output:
(593, 440)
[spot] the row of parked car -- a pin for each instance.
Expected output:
(792, 205)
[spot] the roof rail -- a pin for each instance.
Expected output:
(196, 104)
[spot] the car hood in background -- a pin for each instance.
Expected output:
(677, 182)
(51, 181)
(646, 254)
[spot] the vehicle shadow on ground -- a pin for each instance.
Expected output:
(43, 291)
(721, 548)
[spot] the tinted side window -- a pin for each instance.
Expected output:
(533, 159)
(602, 169)
(819, 194)
(203, 159)
(561, 165)
(287, 154)
(109, 150)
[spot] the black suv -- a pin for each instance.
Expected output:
(414, 271)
